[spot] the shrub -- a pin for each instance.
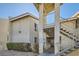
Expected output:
(19, 46)
(35, 48)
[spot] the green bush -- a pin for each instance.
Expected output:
(35, 48)
(19, 46)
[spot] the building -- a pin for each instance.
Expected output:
(60, 35)
(23, 29)
(41, 37)
(69, 32)
(4, 23)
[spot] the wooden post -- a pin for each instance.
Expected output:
(57, 28)
(40, 28)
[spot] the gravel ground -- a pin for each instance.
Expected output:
(16, 53)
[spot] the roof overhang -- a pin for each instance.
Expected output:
(76, 14)
(72, 18)
(48, 7)
(21, 16)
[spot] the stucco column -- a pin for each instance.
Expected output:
(40, 28)
(57, 28)
(44, 25)
(10, 32)
(45, 40)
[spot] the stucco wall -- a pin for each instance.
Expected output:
(77, 29)
(3, 33)
(70, 25)
(33, 33)
(77, 33)
(65, 41)
(22, 25)
(26, 25)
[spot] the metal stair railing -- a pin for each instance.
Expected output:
(70, 31)
(68, 28)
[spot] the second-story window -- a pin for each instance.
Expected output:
(35, 39)
(35, 26)
(77, 23)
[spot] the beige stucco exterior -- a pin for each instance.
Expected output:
(65, 41)
(21, 29)
(26, 26)
(3, 33)
(69, 26)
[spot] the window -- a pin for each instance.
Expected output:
(35, 26)
(35, 39)
(19, 32)
(77, 23)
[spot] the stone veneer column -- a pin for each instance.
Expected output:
(57, 29)
(40, 28)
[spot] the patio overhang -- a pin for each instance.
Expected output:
(48, 7)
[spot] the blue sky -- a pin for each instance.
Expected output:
(66, 10)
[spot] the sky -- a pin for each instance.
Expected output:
(9, 9)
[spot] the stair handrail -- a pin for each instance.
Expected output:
(70, 29)
(66, 27)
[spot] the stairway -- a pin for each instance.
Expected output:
(64, 31)
(69, 33)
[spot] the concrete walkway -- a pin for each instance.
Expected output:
(16, 53)
(19, 53)
(47, 53)
(74, 53)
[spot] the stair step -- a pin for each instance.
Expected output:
(73, 49)
(63, 54)
(67, 51)
(76, 47)
(70, 33)
(70, 49)
(77, 41)
(74, 35)
(77, 44)
(67, 32)
(77, 37)
(61, 29)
